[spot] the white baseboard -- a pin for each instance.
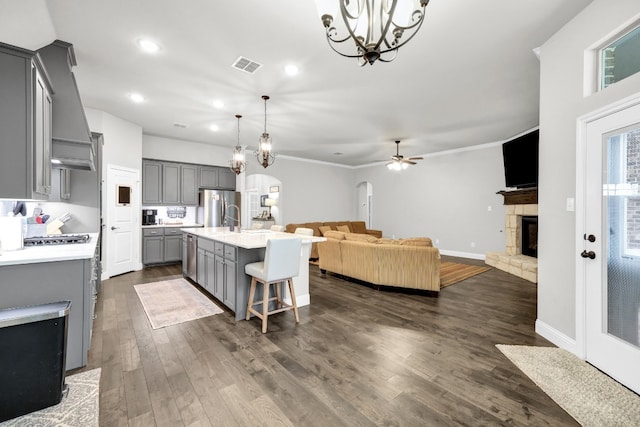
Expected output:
(301, 300)
(469, 255)
(556, 337)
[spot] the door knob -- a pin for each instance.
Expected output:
(590, 238)
(114, 228)
(590, 254)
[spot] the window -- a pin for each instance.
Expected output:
(620, 59)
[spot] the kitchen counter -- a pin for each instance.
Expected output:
(231, 251)
(248, 239)
(166, 225)
(50, 253)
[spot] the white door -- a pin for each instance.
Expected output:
(122, 227)
(611, 245)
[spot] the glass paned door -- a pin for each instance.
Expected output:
(610, 256)
(622, 200)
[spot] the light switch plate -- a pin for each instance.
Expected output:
(571, 204)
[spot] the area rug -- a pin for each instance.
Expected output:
(453, 272)
(170, 302)
(78, 409)
(588, 395)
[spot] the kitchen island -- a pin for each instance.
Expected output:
(222, 255)
(51, 273)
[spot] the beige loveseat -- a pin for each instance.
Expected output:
(320, 227)
(407, 263)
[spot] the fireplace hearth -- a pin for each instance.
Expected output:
(521, 237)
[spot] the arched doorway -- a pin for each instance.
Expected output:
(364, 199)
(259, 187)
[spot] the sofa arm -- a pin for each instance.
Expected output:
(330, 256)
(416, 267)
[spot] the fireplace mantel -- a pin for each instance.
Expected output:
(527, 196)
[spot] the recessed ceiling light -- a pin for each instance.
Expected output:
(214, 128)
(291, 70)
(148, 45)
(136, 97)
(218, 104)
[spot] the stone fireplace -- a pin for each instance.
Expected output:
(521, 226)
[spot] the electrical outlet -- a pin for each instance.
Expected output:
(437, 241)
(489, 208)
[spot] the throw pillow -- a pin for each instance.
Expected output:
(324, 229)
(360, 237)
(344, 228)
(332, 234)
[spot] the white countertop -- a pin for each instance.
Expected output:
(247, 239)
(50, 253)
(167, 225)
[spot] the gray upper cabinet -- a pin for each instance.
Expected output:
(226, 179)
(219, 178)
(168, 183)
(171, 183)
(208, 177)
(189, 185)
(151, 182)
(25, 123)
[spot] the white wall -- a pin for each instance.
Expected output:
(175, 150)
(562, 101)
(311, 191)
(122, 147)
(446, 197)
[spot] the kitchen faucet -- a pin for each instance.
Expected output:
(234, 219)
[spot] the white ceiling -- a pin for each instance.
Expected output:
(468, 77)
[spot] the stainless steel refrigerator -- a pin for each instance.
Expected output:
(219, 208)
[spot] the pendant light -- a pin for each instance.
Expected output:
(237, 162)
(264, 155)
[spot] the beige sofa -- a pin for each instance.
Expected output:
(407, 263)
(319, 227)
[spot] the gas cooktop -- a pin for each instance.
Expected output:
(57, 239)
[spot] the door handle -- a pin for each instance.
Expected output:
(114, 228)
(590, 254)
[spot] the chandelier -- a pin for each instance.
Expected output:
(371, 29)
(237, 163)
(264, 155)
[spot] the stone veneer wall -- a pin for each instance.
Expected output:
(512, 261)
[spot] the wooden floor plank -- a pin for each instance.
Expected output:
(358, 357)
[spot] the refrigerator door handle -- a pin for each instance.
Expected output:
(223, 206)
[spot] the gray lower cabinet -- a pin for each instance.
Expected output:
(25, 121)
(221, 272)
(42, 283)
(162, 245)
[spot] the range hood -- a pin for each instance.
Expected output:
(71, 138)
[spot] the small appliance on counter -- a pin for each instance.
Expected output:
(149, 216)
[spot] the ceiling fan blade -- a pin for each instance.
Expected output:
(408, 161)
(416, 158)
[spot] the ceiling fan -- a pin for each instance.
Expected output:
(399, 162)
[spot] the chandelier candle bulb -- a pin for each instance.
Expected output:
(237, 162)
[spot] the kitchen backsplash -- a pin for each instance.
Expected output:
(174, 214)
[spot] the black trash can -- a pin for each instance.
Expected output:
(33, 347)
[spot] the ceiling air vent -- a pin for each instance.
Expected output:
(246, 65)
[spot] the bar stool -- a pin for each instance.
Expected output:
(281, 263)
(304, 231)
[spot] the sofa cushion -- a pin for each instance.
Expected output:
(420, 239)
(359, 227)
(415, 243)
(332, 234)
(344, 228)
(360, 238)
(323, 229)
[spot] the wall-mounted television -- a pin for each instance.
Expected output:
(520, 156)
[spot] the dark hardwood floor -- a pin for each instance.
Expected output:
(358, 357)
